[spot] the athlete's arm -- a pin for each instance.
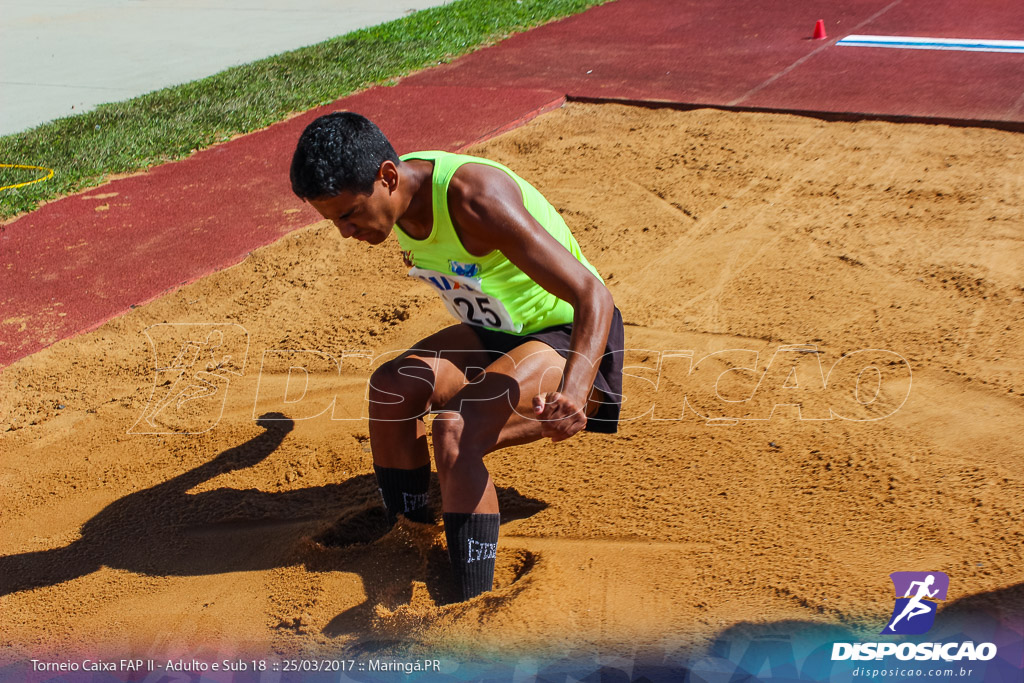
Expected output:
(487, 207)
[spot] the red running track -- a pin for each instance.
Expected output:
(80, 261)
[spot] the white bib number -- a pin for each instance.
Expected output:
(464, 300)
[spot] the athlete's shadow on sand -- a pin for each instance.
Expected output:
(167, 531)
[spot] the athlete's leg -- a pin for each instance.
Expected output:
(401, 391)
(492, 412)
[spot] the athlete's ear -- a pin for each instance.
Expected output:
(388, 172)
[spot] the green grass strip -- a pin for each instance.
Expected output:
(168, 124)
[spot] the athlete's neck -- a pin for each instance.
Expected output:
(417, 220)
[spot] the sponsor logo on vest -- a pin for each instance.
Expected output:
(464, 269)
(914, 614)
(481, 551)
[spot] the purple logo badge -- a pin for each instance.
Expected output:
(917, 594)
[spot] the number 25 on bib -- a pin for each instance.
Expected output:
(464, 299)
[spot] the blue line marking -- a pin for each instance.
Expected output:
(910, 43)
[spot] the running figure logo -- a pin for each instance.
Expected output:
(916, 596)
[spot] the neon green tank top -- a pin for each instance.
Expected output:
(489, 291)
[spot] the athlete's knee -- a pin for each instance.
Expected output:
(447, 431)
(402, 386)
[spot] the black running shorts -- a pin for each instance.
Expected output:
(609, 374)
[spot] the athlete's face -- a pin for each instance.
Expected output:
(366, 217)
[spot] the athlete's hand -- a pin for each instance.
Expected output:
(559, 415)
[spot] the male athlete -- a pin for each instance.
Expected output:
(538, 349)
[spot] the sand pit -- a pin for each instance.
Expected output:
(146, 512)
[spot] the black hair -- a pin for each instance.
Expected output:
(338, 152)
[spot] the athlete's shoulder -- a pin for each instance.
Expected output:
(440, 155)
(423, 154)
(473, 182)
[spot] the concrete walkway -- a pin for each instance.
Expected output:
(63, 57)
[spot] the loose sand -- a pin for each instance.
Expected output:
(776, 243)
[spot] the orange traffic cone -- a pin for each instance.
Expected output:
(819, 30)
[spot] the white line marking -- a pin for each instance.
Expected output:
(915, 43)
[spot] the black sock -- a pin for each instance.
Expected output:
(472, 546)
(405, 492)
